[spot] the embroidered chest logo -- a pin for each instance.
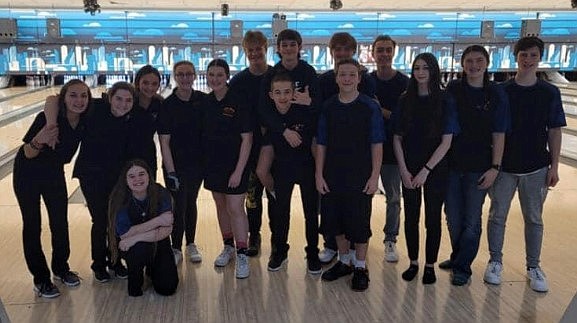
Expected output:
(228, 112)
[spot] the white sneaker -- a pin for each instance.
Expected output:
(193, 253)
(177, 256)
(242, 266)
(538, 280)
(493, 273)
(225, 256)
(391, 251)
(327, 255)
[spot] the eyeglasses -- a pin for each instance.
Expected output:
(183, 75)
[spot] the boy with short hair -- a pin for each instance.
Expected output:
(281, 166)
(348, 161)
(530, 161)
(247, 85)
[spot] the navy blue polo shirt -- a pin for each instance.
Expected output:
(423, 131)
(132, 214)
(302, 75)
(481, 112)
(182, 120)
(348, 130)
(388, 93)
(534, 110)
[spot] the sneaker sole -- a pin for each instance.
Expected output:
(68, 284)
(491, 282)
(315, 272)
(37, 291)
(195, 260)
(391, 259)
(279, 267)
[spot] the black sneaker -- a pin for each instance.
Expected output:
(314, 264)
(101, 275)
(446, 265)
(68, 278)
(47, 290)
(276, 261)
(120, 271)
(360, 281)
(338, 270)
(253, 245)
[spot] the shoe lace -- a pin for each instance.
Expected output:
(538, 274)
(389, 247)
(495, 268)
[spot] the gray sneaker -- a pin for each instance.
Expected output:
(193, 253)
(327, 255)
(391, 252)
(225, 256)
(537, 280)
(177, 256)
(242, 266)
(493, 273)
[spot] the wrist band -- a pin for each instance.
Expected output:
(428, 168)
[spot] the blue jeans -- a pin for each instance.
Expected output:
(464, 208)
(391, 179)
(532, 189)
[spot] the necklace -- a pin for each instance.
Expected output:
(142, 209)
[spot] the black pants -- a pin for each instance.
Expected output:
(185, 211)
(53, 191)
(253, 204)
(97, 192)
(159, 264)
(280, 212)
(435, 190)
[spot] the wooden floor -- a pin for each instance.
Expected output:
(206, 294)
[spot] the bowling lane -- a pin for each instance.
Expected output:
(19, 102)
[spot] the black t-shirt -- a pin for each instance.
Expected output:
(50, 162)
(141, 135)
(388, 93)
(104, 145)
(302, 75)
(182, 120)
(288, 161)
(223, 123)
(247, 87)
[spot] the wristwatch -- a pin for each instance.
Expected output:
(496, 167)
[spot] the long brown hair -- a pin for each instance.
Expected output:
(120, 198)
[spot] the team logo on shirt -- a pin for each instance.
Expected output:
(299, 127)
(228, 112)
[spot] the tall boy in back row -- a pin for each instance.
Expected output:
(530, 161)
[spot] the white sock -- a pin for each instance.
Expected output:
(345, 258)
(361, 264)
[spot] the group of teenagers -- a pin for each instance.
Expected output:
(272, 127)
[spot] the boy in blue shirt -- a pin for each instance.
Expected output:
(348, 161)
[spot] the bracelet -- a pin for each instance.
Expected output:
(428, 168)
(496, 167)
(34, 145)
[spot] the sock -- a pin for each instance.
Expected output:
(361, 264)
(229, 242)
(345, 258)
(241, 245)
